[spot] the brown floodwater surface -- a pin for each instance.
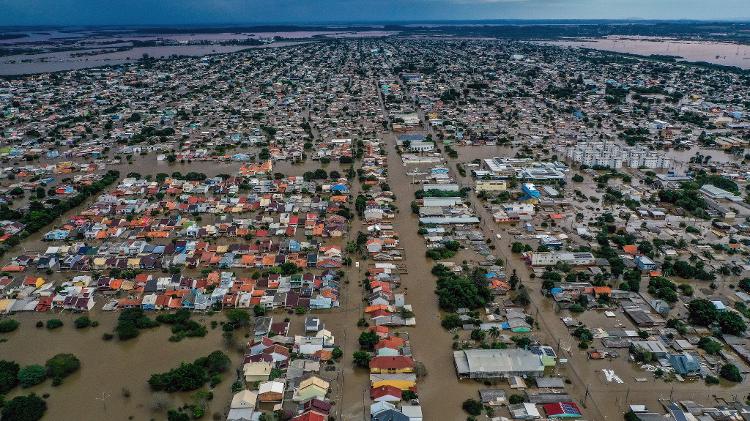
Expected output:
(110, 370)
(723, 53)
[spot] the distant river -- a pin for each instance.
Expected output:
(723, 53)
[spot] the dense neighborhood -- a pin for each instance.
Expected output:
(380, 228)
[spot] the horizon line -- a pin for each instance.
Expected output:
(388, 22)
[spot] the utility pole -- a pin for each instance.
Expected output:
(627, 395)
(586, 395)
(104, 396)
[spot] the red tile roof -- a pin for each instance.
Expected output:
(393, 363)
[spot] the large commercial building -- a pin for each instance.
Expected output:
(571, 258)
(490, 185)
(521, 168)
(612, 155)
(497, 363)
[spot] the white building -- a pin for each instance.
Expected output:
(552, 258)
(418, 146)
(612, 155)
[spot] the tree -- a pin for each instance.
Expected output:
(32, 375)
(337, 353)
(522, 341)
(238, 317)
(24, 408)
(667, 294)
(641, 354)
(367, 340)
(477, 335)
(702, 312)
(677, 325)
(578, 178)
(745, 284)
(259, 311)
(82, 322)
(712, 380)
(709, 345)
(173, 415)
(731, 323)
(130, 321)
(215, 362)
(514, 280)
(61, 366)
(8, 376)
(494, 332)
(582, 333)
(645, 247)
(126, 330)
(515, 399)
(472, 406)
(730, 372)
(191, 376)
(686, 289)
(54, 323)
(8, 325)
(456, 291)
(451, 321)
(361, 359)
(186, 377)
(522, 297)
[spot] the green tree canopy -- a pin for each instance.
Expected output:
(24, 408)
(702, 312)
(62, 365)
(8, 376)
(32, 375)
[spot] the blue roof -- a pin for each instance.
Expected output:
(684, 363)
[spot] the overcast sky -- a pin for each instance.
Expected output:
(78, 12)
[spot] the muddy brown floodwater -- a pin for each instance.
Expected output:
(24, 64)
(440, 392)
(110, 370)
(600, 400)
(723, 53)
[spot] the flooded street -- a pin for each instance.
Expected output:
(600, 399)
(440, 392)
(347, 243)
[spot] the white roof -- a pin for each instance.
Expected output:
(412, 411)
(531, 409)
(244, 399)
(381, 406)
(272, 386)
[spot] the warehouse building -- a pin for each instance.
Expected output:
(497, 363)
